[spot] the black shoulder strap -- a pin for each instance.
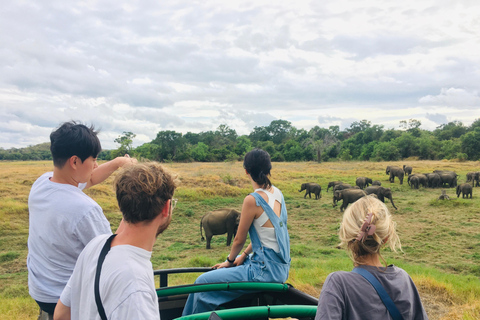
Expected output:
(387, 301)
(101, 258)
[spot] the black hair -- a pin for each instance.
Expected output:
(73, 139)
(258, 164)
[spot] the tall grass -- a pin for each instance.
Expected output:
(440, 239)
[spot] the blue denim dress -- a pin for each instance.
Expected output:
(263, 265)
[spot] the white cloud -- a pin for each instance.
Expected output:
(185, 66)
(453, 98)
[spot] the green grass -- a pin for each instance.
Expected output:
(440, 239)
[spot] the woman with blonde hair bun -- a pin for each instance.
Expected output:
(373, 290)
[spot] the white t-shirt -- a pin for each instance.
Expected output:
(127, 288)
(62, 220)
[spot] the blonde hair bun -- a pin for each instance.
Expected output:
(353, 219)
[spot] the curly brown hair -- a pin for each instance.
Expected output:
(142, 191)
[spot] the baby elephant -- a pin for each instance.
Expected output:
(219, 222)
(310, 188)
(465, 189)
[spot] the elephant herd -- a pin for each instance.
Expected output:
(365, 186)
(226, 220)
(350, 194)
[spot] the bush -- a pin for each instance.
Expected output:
(461, 157)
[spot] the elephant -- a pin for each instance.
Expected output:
(422, 179)
(376, 183)
(395, 172)
(342, 186)
(348, 196)
(448, 178)
(434, 180)
(332, 184)
(310, 188)
(381, 193)
(474, 177)
(219, 222)
(413, 181)
(363, 182)
(465, 189)
(407, 169)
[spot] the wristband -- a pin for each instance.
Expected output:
(245, 252)
(228, 259)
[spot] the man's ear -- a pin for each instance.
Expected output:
(73, 161)
(166, 208)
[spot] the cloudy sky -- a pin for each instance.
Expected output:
(148, 66)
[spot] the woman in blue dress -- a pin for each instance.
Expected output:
(267, 257)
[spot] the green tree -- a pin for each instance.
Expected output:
(259, 134)
(293, 151)
(475, 124)
(406, 145)
(368, 150)
(200, 152)
(243, 145)
(345, 155)
(358, 126)
(454, 129)
(125, 140)
(449, 148)
(386, 151)
(471, 144)
(225, 135)
(148, 151)
(279, 130)
(428, 146)
(169, 142)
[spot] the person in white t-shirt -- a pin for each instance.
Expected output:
(126, 288)
(62, 218)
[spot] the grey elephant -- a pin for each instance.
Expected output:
(474, 178)
(381, 193)
(363, 182)
(310, 188)
(465, 189)
(395, 172)
(407, 169)
(413, 181)
(421, 179)
(348, 196)
(448, 178)
(220, 221)
(434, 180)
(343, 186)
(376, 183)
(332, 184)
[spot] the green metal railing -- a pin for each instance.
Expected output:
(252, 286)
(264, 312)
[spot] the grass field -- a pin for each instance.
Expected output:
(440, 239)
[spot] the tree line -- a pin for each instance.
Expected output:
(284, 142)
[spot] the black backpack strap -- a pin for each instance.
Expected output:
(101, 258)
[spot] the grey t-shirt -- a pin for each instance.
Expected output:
(348, 295)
